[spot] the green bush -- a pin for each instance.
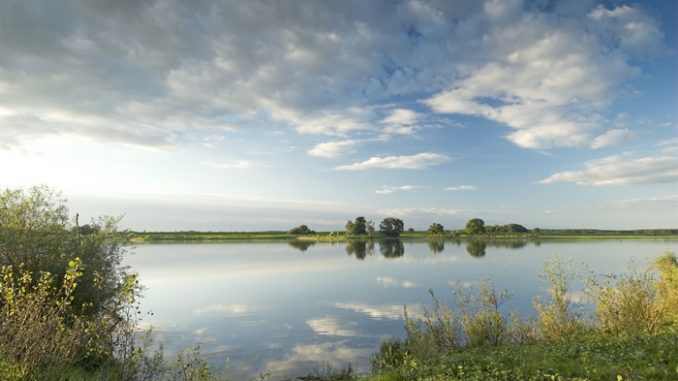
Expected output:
(41, 334)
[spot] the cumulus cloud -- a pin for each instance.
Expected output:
(385, 190)
(460, 188)
(418, 161)
(550, 78)
(621, 170)
(333, 149)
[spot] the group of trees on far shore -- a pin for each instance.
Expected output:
(393, 227)
(389, 226)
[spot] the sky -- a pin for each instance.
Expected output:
(259, 115)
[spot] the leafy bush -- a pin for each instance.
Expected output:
(41, 334)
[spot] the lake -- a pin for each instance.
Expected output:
(287, 309)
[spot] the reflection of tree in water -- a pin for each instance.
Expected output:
(301, 245)
(391, 248)
(436, 245)
(476, 248)
(360, 248)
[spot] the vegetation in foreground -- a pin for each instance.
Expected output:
(67, 305)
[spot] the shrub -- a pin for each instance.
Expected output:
(555, 319)
(435, 331)
(667, 286)
(626, 304)
(481, 318)
(41, 336)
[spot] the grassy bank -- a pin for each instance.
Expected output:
(544, 235)
(597, 357)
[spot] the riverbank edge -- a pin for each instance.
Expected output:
(332, 237)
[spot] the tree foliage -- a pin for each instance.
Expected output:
(391, 226)
(35, 233)
(357, 227)
(301, 229)
(475, 226)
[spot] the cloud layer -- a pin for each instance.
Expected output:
(164, 73)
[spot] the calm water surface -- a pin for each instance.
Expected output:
(288, 309)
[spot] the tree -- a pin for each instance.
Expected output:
(360, 226)
(516, 228)
(357, 227)
(391, 227)
(436, 229)
(475, 226)
(301, 229)
(36, 233)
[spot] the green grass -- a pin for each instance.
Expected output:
(598, 357)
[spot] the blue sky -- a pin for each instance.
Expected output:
(219, 115)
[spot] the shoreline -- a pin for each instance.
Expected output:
(333, 237)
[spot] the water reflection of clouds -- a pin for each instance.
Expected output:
(388, 281)
(331, 326)
(375, 311)
(308, 356)
(239, 309)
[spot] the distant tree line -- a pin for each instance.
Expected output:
(393, 227)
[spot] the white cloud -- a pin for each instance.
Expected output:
(235, 165)
(612, 137)
(518, 85)
(331, 326)
(385, 190)
(401, 116)
(621, 170)
(418, 161)
(333, 149)
(460, 188)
